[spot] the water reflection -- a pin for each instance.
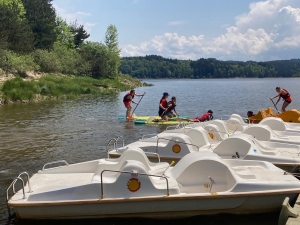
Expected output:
(224, 219)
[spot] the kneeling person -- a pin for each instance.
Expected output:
(171, 107)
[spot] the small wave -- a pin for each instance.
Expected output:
(5, 171)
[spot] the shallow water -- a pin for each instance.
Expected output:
(78, 130)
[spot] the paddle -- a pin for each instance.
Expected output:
(274, 105)
(130, 116)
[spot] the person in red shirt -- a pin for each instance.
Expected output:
(205, 117)
(285, 95)
(127, 99)
(163, 106)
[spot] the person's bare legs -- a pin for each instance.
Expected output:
(284, 105)
(128, 111)
(164, 118)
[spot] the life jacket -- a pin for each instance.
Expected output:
(164, 103)
(205, 117)
(171, 105)
(285, 96)
(125, 98)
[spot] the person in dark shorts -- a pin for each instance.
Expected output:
(163, 106)
(171, 106)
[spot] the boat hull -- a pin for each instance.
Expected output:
(157, 207)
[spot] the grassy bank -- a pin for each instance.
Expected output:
(57, 86)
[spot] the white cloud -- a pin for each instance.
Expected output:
(79, 17)
(168, 45)
(270, 30)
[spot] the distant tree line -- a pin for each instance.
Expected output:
(34, 37)
(154, 66)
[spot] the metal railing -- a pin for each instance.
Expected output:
(29, 186)
(178, 126)
(133, 173)
(114, 142)
(54, 162)
(119, 137)
(176, 141)
(12, 185)
(153, 153)
(109, 143)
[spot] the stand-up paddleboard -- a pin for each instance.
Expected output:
(134, 117)
(157, 120)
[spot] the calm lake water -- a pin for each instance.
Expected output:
(78, 130)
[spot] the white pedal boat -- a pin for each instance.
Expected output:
(246, 147)
(236, 123)
(170, 146)
(201, 183)
(221, 130)
(173, 146)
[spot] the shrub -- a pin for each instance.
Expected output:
(18, 63)
(48, 61)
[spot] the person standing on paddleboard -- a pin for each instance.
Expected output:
(282, 93)
(127, 99)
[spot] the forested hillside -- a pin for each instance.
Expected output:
(34, 38)
(154, 66)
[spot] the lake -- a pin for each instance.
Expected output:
(77, 130)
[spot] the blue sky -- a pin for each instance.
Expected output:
(192, 29)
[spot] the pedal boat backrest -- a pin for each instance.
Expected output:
(261, 132)
(136, 154)
(274, 123)
(195, 171)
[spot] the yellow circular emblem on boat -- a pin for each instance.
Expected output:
(176, 148)
(133, 185)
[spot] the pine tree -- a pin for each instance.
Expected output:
(15, 33)
(79, 33)
(42, 19)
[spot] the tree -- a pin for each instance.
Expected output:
(64, 33)
(96, 54)
(112, 44)
(12, 4)
(15, 31)
(42, 19)
(79, 34)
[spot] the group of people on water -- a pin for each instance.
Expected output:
(166, 108)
